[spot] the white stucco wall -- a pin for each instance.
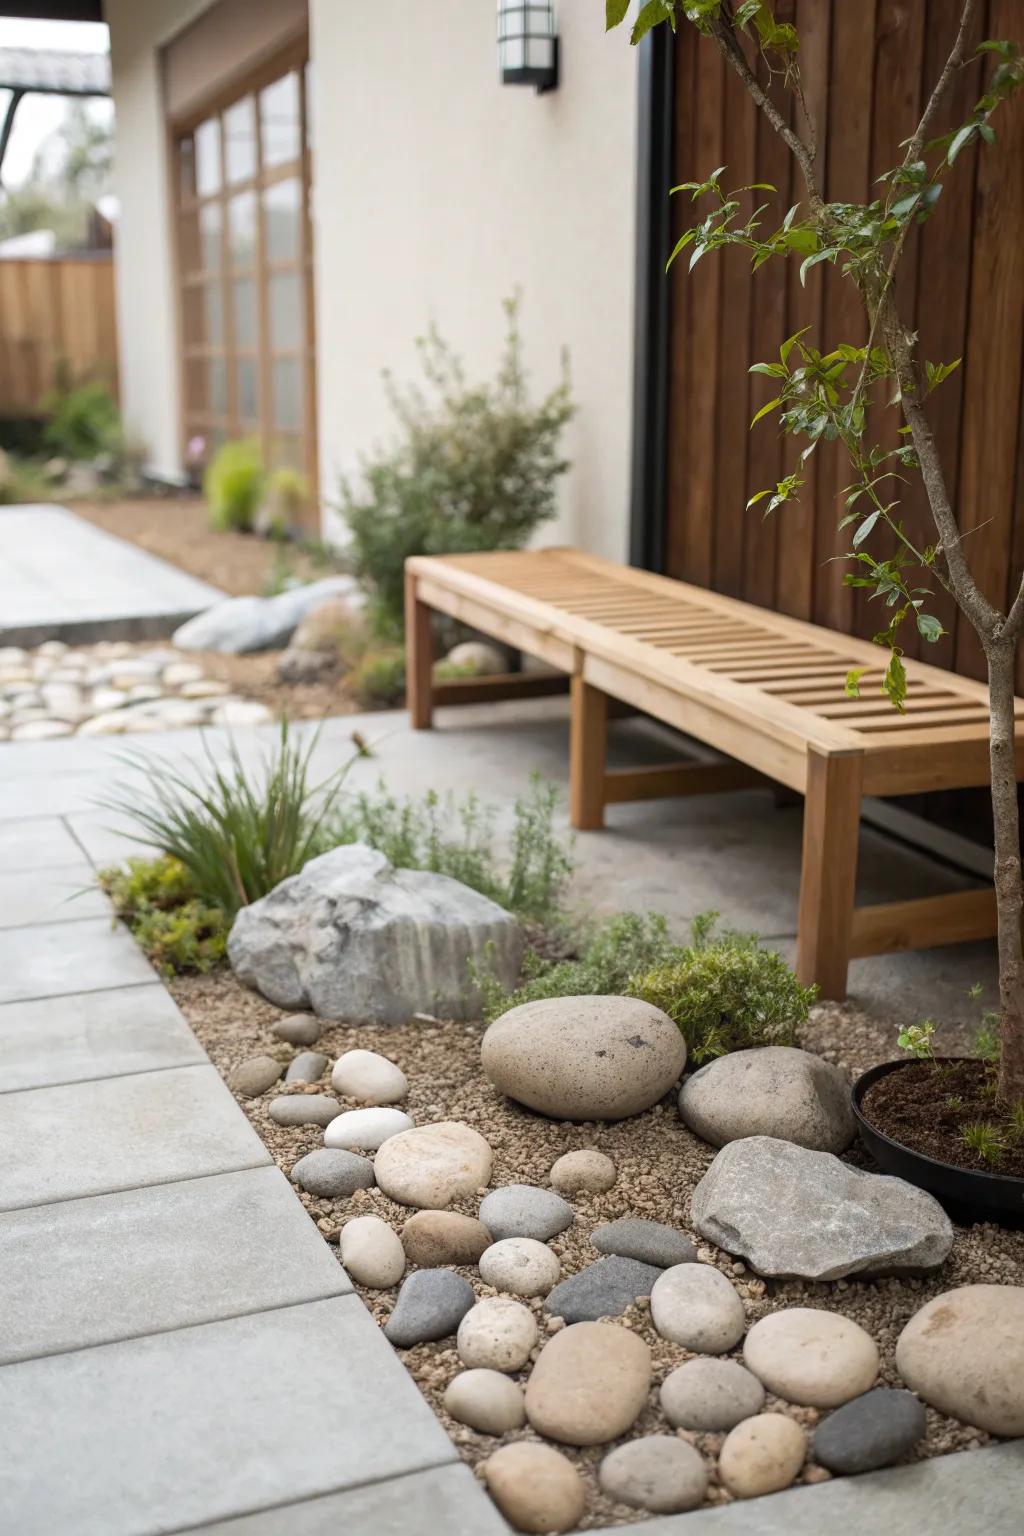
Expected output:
(146, 299)
(438, 191)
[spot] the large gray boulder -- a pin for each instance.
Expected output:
(243, 624)
(353, 938)
(788, 1211)
(774, 1090)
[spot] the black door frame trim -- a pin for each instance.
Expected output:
(652, 319)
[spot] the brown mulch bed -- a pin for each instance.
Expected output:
(177, 528)
(927, 1105)
(658, 1163)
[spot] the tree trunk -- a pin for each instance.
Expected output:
(1009, 895)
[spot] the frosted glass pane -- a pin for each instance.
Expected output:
(209, 236)
(244, 311)
(207, 142)
(242, 229)
(280, 121)
(287, 329)
(217, 386)
(212, 314)
(245, 380)
(286, 379)
(240, 141)
(282, 213)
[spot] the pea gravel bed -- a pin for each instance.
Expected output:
(658, 1163)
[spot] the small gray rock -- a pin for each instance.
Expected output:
(430, 1305)
(651, 1242)
(710, 1394)
(522, 1210)
(872, 1431)
(303, 1109)
(298, 1029)
(308, 1067)
(657, 1472)
(254, 1076)
(331, 1173)
(604, 1289)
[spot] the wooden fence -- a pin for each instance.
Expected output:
(56, 321)
(866, 65)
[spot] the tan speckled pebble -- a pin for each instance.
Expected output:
(762, 1455)
(589, 1385)
(536, 1488)
(587, 1172)
(808, 1356)
(487, 1401)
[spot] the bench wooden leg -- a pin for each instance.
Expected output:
(829, 874)
(587, 746)
(419, 658)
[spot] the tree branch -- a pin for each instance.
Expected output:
(942, 85)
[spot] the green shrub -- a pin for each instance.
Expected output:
(236, 834)
(233, 485)
(83, 422)
(475, 467)
(727, 994)
(378, 678)
(457, 839)
(157, 900)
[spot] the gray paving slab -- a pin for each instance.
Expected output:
(959, 1495)
(65, 579)
(121, 1133)
(63, 893)
(446, 1501)
(42, 842)
(117, 1266)
(49, 794)
(177, 1429)
(87, 1035)
(53, 959)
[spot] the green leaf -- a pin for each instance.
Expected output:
(790, 342)
(865, 528)
(653, 12)
(759, 496)
(766, 408)
(852, 685)
(929, 627)
(680, 245)
(770, 370)
(614, 13)
(812, 261)
(960, 138)
(987, 132)
(895, 682)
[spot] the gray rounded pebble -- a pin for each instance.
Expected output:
(430, 1305)
(303, 1109)
(657, 1473)
(308, 1067)
(650, 1242)
(710, 1394)
(298, 1028)
(331, 1173)
(254, 1076)
(523, 1210)
(871, 1431)
(604, 1289)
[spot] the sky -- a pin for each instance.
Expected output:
(38, 116)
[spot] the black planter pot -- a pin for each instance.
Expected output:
(967, 1194)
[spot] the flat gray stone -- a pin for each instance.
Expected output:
(958, 1495)
(303, 1109)
(604, 1289)
(871, 1431)
(651, 1242)
(61, 893)
(91, 1138)
(307, 1067)
(180, 1429)
(52, 959)
(110, 1267)
(254, 1076)
(446, 1499)
(523, 1210)
(42, 842)
(95, 1034)
(298, 1028)
(431, 1304)
(332, 1173)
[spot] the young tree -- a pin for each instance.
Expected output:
(826, 395)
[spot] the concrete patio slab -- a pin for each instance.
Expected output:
(65, 893)
(956, 1495)
(44, 842)
(66, 580)
(53, 959)
(123, 1133)
(171, 1431)
(87, 1035)
(447, 1501)
(118, 1266)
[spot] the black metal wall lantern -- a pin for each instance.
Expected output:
(527, 44)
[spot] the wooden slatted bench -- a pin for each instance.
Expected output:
(764, 690)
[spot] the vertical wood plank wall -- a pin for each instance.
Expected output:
(55, 316)
(866, 66)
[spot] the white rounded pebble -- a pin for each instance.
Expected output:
(696, 1306)
(432, 1165)
(808, 1356)
(762, 1455)
(520, 1265)
(369, 1076)
(487, 1401)
(364, 1130)
(586, 1172)
(497, 1334)
(372, 1253)
(658, 1473)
